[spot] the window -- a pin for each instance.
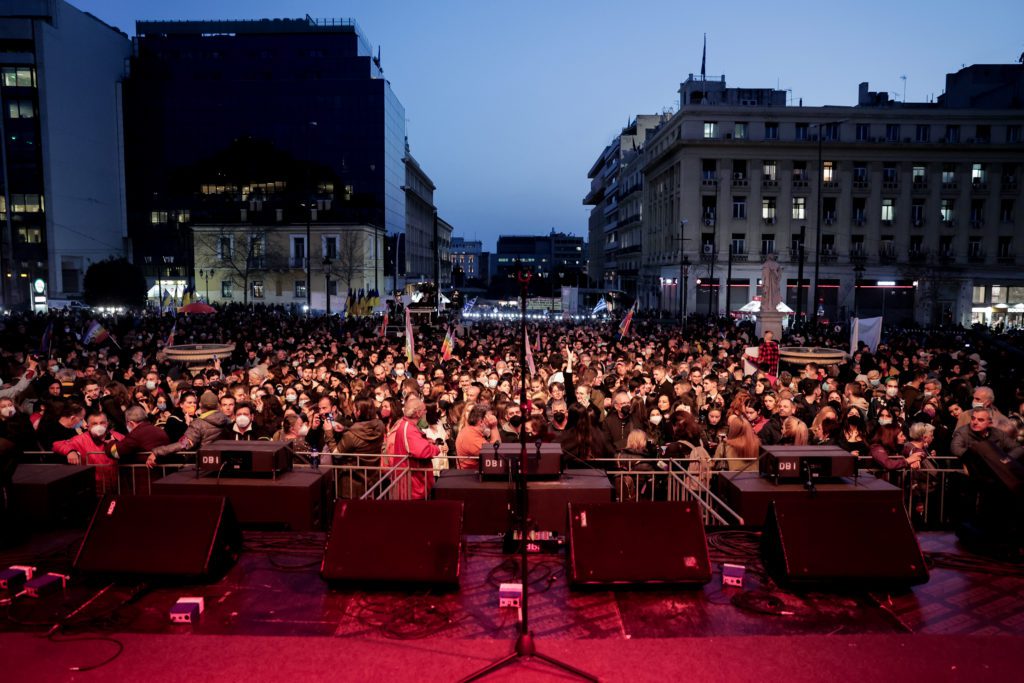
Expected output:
(771, 131)
(21, 109)
(26, 203)
(71, 273)
(30, 235)
(1006, 211)
(740, 130)
(739, 208)
(830, 131)
(227, 289)
(330, 247)
(890, 174)
(857, 245)
(184, 215)
(19, 76)
(828, 209)
(949, 175)
(863, 132)
(892, 132)
(860, 205)
(800, 170)
(768, 243)
(158, 217)
(946, 246)
(923, 133)
(225, 247)
(917, 212)
(1013, 133)
(828, 171)
(768, 171)
(739, 169)
(974, 247)
(1005, 247)
(332, 288)
(300, 289)
(257, 246)
(257, 289)
(799, 208)
(710, 129)
(916, 245)
(709, 169)
(768, 209)
(888, 210)
(947, 208)
(983, 133)
(977, 212)
(801, 131)
(828, 244)
(739, 243)
(919, 176)
(297, 251)
(979, 176)
(860, 172)
(953, 133)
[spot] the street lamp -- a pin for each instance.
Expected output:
(858, 274)
(685, 268)
(206, 274)
(817, 243)
(327, 283)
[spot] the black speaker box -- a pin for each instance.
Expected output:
(394, 541)
(193, 537)
(637, 543)
(826, 541)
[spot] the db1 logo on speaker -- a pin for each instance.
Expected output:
(210, 460)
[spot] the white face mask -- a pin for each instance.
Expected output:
(977, 404)
(98, 431)
(303, 430)
(891, 391)
(151, 385)
(492, 383)
(885, 421)
(291, 398)
(7, 411)
(656, 419)
(243, 421)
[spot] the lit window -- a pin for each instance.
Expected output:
(257, 289)
(19, 76)
(799, 208)
(227, 289)
(771, 131)
(768, 209)
(710, 129)
(948, 210)
(300, 289)
(21, 109)
(888, 209)
(828, 169)
(740, 131)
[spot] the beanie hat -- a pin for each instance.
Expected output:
(208, 401)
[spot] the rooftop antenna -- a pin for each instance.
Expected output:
(904, 79)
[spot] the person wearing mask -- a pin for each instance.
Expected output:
(211, 424)
(887, 448)
(511, 419)
(620, 420)
(142, 438)
(984, 397)
(851, 435)
(559, 418)
(480, 432)
(61, 421)
(91, 447)
(16, 427)
(293, 432)
(242, 428)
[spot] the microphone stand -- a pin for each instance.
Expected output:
(525, 647)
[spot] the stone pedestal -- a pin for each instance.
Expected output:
(769, 320)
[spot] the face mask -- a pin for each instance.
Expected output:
(161, 406)
(7, 411)
(151, 385)
(656, 419)
(399, 373)
(977, 404)
(516, 420)
(295, 363)
(304, 402)
(885, 421)
(874, 382)
(492, 383)
(243, 421)
(891, 391)
(98, 431)
(929, 394)
(303, 430)
(826, 387)
(557, 417)
(624, 411)
(291, 398)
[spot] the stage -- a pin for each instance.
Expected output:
(272, 618)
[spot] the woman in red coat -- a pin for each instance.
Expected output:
(408, 440)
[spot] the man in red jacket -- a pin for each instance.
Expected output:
(410, 441)
(91, 448)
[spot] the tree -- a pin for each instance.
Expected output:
(114, 282)
(218, 249)
(350, 260)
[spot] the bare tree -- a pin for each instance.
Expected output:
(241, 250)
(350, 259)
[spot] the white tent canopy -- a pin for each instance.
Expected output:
(755, 307)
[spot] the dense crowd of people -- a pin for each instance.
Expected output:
(345, 389)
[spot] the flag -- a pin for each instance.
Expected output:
(94, 332)
(602, 305)
(186, 298)
(624, 325)
(529, 354)
(536, 344)
(704, 59)
(166, 301)
(469, 305)
(410, 346)
(447, 345)
(384, 326)
(170, 337)
(46, 341)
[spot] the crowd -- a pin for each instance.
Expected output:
(346, 389)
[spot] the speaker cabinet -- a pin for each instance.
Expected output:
(851, 541)
(637, 543)
(193, 537)
(394, 541)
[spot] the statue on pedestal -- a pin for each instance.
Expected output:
(771, 278)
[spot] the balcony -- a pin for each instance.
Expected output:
(920, 187)
(917, 255)
(828, 256)
(858, 255)
(769, 221)
(977, 223)
(859, 221)
(800, 184)
(829, 219)
(770, 184)
(794, 255)
(739, 181)
(947, 257)
(709, 183)
(1009, 185)
(975, 256)
(739, 256)
(917, 222)
(861, 186)
(1006, 259)
(951, 186)
(887, 255)
(764, 254)
(830, 186)
(709, 221)
(979, 186)
(949, 222)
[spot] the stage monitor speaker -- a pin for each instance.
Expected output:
(637, 543)
(841, 541)
(394, 541)
(193, 537)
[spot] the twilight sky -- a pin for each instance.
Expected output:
(509, 103)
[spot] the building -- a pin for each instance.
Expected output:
(62, 202)
(467, 261)
(917, 204)
(427, 237)
(554, 258)
(266, 263)
(269, 122)
(616, 193)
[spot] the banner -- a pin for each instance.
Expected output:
(867, 330)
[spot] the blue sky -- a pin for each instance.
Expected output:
(509, 104)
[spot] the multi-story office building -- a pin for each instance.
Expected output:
(268, 122)
(62, 181)
(616, 193)
(908, 210)
(556, 257)
(427, 236)
(466, 256)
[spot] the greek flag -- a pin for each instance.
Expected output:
(469, 305)
(602, 305)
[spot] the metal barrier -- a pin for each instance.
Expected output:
(384, 477)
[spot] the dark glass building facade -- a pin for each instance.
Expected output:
(268, 121)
